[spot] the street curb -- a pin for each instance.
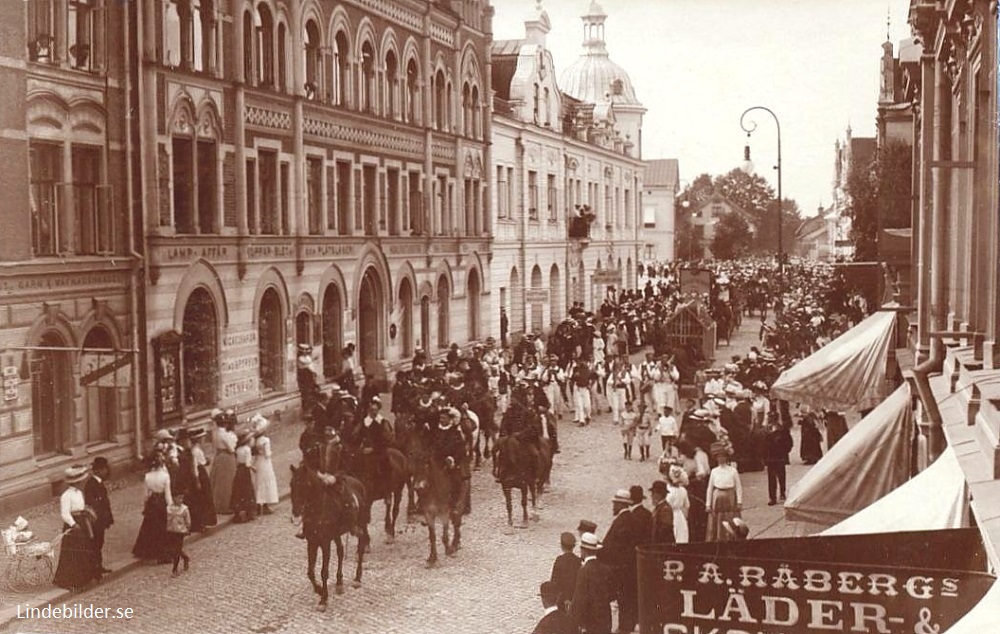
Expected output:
(58, 595)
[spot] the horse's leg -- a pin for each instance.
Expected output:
(312, 548)
(363, 538)
(506, 495)
(387, 501)
(456, 540)
(432, 535)
(446, 532)
(325, 572)
(524, 503)
(339, 587)
(477, 450)
(397, 502)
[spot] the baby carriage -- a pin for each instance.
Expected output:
(30, 561)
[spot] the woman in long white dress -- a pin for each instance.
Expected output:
(266, 483)
(677, 498)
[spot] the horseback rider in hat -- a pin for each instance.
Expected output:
(449, 448)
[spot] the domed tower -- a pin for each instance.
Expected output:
(594, 78)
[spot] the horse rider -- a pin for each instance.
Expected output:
(373, 437)
(449, 449)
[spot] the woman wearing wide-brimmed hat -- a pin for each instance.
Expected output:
(151, 542)
(266, 483)
(725, 494)
(224, 461)
(201, 500)
(78, 564)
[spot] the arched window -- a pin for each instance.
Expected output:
(100, 400)
(406, 317)
(303, 328)
(200, 330)
(391, 86)
(477, 118)
(444, 301)
(473, 296)
(440, 101)
(265, 47)
(412, 92)
(368, 93)
(249, 58)
(312, 61)
(282, 62)
(341, 69)
(333, 314)
(466, 110)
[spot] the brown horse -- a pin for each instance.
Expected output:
(383, 482)
(441, 495)
(521, 465)
(330, 507)
(485, 407)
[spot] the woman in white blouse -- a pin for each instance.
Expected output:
(724, 496)
(224, 461)
(677, 498)
(151, 542)
(266, 483)
(77, 564)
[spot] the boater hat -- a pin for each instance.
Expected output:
(75, 474)
(622, 497)
(589, 541)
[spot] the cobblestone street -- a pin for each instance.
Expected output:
(252, 578)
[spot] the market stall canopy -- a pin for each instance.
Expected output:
(867, 463)
(982, 617)
(847, 374)
(940, 489)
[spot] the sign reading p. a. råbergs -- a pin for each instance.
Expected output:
(692, 590)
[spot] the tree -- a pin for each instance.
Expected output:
(879, 197)
(732, 238)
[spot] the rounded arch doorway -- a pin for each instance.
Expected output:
(200, 330)
(371, 315)
(51, 395)
(406, 316)
(472, 291)
(271, 341)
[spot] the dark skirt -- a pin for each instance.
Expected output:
(77, 560)
(244, 498)
(152, 539)
(223, 472)
(724, 509)
(202, 503)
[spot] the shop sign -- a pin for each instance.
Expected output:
(607, 276)
(692, 592)
(536, 295)
(167, 376)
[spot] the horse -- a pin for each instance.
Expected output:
(329, 507)
(485, 408)
(440, 498)
(516, 468)
(386, 486)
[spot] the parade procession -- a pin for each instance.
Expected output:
(401, 316)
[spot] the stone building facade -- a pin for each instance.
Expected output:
(334, 195)
(67, 315)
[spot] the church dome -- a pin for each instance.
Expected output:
(593, 77)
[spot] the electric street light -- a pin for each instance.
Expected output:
(747, 163)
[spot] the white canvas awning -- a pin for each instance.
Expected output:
(847, 374)
(871, 460)
(934, 499)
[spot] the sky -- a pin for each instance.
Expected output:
(696, 65)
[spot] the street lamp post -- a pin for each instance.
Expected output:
(749, 131)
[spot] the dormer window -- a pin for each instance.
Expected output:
(617, 87)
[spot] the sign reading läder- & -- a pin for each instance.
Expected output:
(692, 590)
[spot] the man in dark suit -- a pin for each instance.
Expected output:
(662, 527)
(555, 620)
(95, 495)
(590, 610)
(564, 570)
(618, 550)
(641, 529)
